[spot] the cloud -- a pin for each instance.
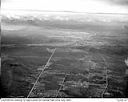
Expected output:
(117, 2)
(92, 6)
(122, 2)
(3, 1)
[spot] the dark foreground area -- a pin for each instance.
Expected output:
(79, 71)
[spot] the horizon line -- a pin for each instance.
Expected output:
(65, 11)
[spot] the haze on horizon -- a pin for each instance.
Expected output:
(90, 6)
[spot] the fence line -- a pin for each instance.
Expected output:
(61, 85)
(46, 66)
(106, 72)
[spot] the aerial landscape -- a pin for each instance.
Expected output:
(50, 54)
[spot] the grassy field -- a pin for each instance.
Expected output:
(88, 61)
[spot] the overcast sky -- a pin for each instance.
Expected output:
(91, 6)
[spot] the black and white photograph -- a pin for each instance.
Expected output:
(64, 49)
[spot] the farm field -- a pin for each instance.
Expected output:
(88, 62)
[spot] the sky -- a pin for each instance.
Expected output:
(90, 6)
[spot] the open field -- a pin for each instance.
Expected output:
(87, 62)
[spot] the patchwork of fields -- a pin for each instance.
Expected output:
(87, 62)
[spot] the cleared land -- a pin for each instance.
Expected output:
(87, 62)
